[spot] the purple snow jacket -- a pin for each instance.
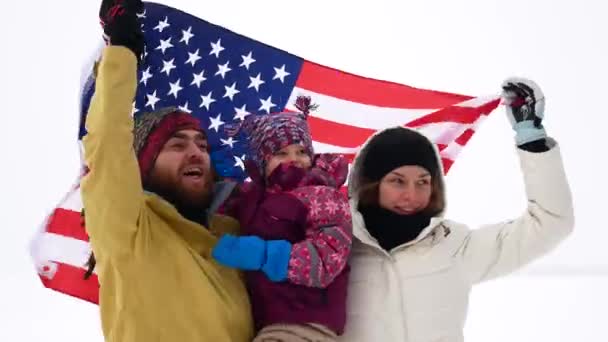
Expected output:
(306, 208)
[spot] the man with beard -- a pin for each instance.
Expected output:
(146, 197)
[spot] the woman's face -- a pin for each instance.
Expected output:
(406, 190)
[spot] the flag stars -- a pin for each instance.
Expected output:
(256, 82)
(216, 48)
(164, 45)
(238, 162)
(231, 91)
(198, 79)
(228, 142)
(145, 76)
(168, 66)
(223, 69)
(185, 108)
(193, 57)
(267, 104)
(152, 100)
(207, 100)
(163, 24)
(241, 113)
(175, 88)
(280, 73)
(216, 122)
(247, 60)
(141, 15)
(186, 36)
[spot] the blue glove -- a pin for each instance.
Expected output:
(251, 253)
(525, 104)
(245, 253)
(278, 253)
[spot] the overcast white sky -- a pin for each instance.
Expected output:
(466, 47)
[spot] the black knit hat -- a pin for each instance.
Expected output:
(396, 147)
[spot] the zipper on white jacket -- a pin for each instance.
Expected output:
(403, 323)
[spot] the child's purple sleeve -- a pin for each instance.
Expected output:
(322, 256)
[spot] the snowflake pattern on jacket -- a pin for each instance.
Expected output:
(318, 259)
(322, 255)
(306, 208)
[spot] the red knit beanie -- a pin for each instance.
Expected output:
(154, 129)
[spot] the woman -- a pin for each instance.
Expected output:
(411, 268)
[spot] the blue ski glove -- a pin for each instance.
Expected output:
(525, 105)
(251, 253)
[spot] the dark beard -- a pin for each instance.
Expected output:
(191, 206)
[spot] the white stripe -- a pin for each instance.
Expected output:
(368, 116)
(73, 201)
(59, 248)
(87, 67)
(320, 147)
(451, 151)
(478, 101)
(356, 114)
(443, 132)
(439, 133)
(447, 132)
(81, 150)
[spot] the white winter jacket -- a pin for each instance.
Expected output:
(419, 292)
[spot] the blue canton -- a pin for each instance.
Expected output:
(214, 74)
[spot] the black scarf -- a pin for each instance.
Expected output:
(391, 229)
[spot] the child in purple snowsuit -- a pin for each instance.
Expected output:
(296, 231)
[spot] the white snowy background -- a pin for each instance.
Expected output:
(462, 46)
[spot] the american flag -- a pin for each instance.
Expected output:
(222, 77)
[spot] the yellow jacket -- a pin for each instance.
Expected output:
(158, 279)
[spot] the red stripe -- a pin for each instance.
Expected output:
(354, 88)
(70, 280)
(447, 164)
(464, 115)
(335, 133)
(338, 134)
(67, 223)
(441, 147)
(464, 137)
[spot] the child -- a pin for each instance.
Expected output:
(296, 228)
